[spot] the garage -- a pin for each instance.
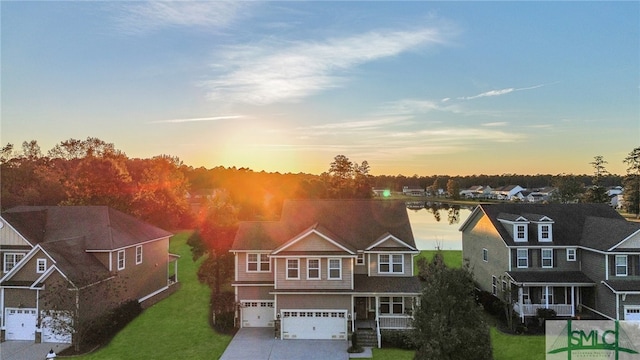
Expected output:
(56, 327)
(314, 324)
(632, 313)
(20, 324)
(257, 313)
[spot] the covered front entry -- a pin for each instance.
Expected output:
(314, 324)
(257, 313)
(20, 324)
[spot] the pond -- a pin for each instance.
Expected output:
(436, 224)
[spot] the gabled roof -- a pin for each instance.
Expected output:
(573, 224)
(355, 224)
(103, 228)
(323, 233)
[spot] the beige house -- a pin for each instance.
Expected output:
(327, 268)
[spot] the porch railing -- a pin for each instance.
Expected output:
(532, 309)
(395, 321)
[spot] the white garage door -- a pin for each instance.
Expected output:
(257, 313)
(632, 313)
(56, 327)
(20, 324)
(314, 324)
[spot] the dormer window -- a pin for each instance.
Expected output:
(544, 232)
(520, 232)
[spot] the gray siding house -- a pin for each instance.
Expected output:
(327, 268)
(576, 259)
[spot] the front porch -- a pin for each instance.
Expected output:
(562, 300)
(372, 314)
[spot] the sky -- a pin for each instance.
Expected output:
(426, 88)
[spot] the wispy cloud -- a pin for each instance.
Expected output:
(495, 124)
(212, 118)
(149, 16)
(288, 72)
(499, 92)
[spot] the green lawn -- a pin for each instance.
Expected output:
(175, 328)
(453, 258)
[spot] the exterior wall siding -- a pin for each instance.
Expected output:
(605, 300)
(140, 280)
(243, 275)
(255, 293)
(14, 297)
(8, 237)
(592, 264)
(318, 301)
(480, 234)
(304, 283)
(313, 242)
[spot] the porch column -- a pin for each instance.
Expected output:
(546, 297)
(520, 303)
(175, 268)
(573, 301)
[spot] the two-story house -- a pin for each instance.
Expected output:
(326, 268)
(76, 251)
(573, 258)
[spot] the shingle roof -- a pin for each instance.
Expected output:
(550, 277)
(355, 223)
(386, 284)
(102, 227)
(570, 221)
(602, 234)
(624, 285)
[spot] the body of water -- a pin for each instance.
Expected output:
(436, 224)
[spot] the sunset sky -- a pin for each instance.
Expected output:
(425, 88)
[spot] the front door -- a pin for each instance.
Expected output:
(361, 308)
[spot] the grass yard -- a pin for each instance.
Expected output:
(525, 347)
(175, 328)
(453, 258)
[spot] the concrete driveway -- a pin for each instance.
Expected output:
(28, 350)
(259, 344)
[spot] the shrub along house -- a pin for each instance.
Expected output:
(326, 268)
(565, 257)
(76, 262)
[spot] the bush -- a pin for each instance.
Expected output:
(355, 347)
(400, 339)
(108, 325)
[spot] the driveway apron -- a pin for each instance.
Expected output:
(260, 344)
(28, 350)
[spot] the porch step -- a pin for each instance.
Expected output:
(367, 337)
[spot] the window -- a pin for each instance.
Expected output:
(544, 232)
(522, 258)
(313, 269)
(547, 258)
(335, 269)
(544, 295)
(258, 263)
(390, 263)
(293, 267)
(121, 260)
(521, 233)
(11, 260)
(485, 255)
(494, 285)
(41, 266)
(360, 259)
(571, 254)
(392, 305)
(138, 254)
(621, 265)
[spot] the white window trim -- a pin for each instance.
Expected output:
(360, 259)
(494, 285)
(15, 262)
(391, 303)
(515, 233)
(121, 258)
(339, 269)
(41, 263)
(626, 265)
(390, 263)
(138, 254)
(543, 258)
(318, 268)
(571, 257)
(518, 257)
(297, 261)
(259, 262)
(540, 232)
(485, 255)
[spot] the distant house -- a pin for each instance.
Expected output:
(540, 194)
(327, 268)
(508, 192)
(381, 191)
(565, 257)
(413, 191)
(615, 196)
(81, 248)
(477, 192)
